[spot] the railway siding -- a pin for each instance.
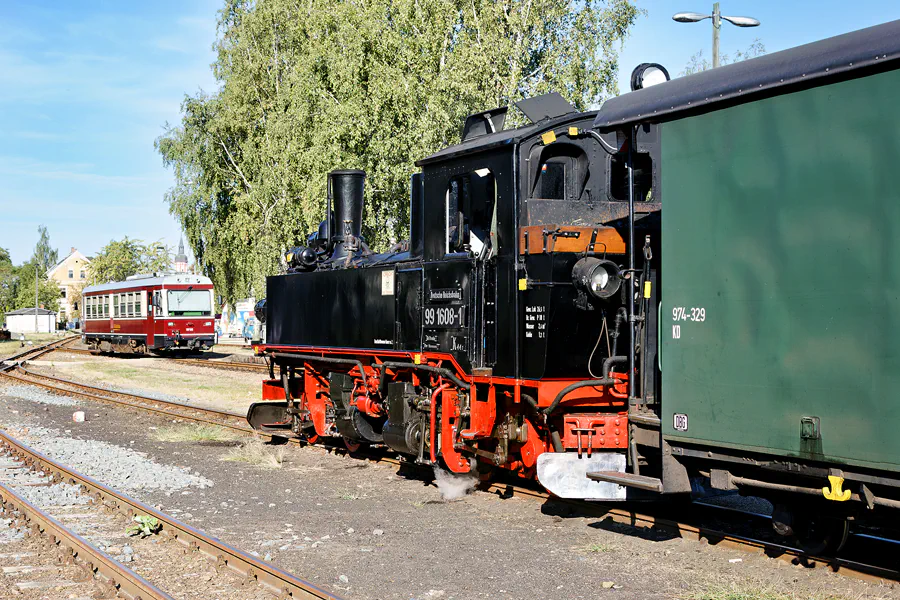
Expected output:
(104, 513)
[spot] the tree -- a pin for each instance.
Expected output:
(48, 291)
(44, 255)
(126, 257)
(8, 282)
(307, 88)
(699, 63)
(156, 258)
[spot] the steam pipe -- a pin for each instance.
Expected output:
(314, 358)
(404, 365)
(631, 320)
(574, 386)
(554, 434)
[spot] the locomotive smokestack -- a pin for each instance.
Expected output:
(347, 188)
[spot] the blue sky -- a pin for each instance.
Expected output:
(85, 88)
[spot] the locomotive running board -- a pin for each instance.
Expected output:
(566, 475)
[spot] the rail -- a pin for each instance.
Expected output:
(616, 512)
(117, 577)
(276, 580)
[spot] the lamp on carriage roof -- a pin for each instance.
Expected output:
(717, 17)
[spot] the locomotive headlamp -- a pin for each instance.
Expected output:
(599, 278)
(647, 75)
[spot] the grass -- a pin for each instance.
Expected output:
(734, 592)
(13, 346)
(195, 432)
(255, 452)
(598, 548)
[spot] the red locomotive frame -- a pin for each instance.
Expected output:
(141, 314)
(603, 426)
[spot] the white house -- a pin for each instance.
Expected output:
(23, 320)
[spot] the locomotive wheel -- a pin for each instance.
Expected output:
(352, 446)
(819, 534)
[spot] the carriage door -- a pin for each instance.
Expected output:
(147, 315)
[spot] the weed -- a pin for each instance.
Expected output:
(258, 453)
(597, 548)
(194, 432)
(144, 526)
(350, 497)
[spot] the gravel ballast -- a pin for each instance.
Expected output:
(120, 468)
(35, 394)
(368, 532)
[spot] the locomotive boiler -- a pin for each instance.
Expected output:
(548, 317)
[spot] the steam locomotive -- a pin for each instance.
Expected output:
(526, 325)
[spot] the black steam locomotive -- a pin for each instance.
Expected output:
(504, 330)
(522, 327)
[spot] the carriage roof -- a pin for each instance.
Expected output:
(141, 281)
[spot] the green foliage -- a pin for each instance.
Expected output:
(48, 291)
(144, 525)
(8, 283)
(44, 255)
(122, 258)
(17, 283)
(699, 63)
(307, 88)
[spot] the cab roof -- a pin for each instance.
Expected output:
(501, 138)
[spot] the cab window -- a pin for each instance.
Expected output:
(470, 214)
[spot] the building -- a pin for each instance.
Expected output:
(23, 320)
(70, 274)
(181, 260)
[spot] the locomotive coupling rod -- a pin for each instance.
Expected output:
(314, 358)
(404, 365)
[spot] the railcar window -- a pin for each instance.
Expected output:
(189, 303)
(157, 303)
(129, 304)
(122, 312)
(618, 177)
(105, 302)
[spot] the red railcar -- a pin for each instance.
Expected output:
(150, 313)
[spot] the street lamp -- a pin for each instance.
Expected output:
(716, 16)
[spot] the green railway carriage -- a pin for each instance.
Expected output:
(779, 316)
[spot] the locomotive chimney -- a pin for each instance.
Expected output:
(347, 191)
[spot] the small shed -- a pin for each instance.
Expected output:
(23, 320)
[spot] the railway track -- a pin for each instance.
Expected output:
(37, 351)
(230, 365)
(114, 577)
(689, 524)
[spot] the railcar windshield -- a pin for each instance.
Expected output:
(189, 303)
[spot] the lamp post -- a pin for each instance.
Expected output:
(717, 18)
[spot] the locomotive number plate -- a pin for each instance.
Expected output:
(445, 317)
